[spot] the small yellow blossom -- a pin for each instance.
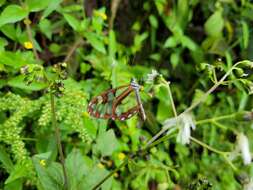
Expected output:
(116, 175)
(121, 156)
(43, 162)
(27, 21)
(28, 45)
(102, 15)
(100, 165)
(85, 114)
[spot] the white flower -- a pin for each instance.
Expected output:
(151, 76)
(185, 122)
(243, 145)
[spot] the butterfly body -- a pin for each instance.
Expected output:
(106, 105)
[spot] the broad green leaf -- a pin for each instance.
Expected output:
(9, 31)
(12, 14)
(245, 34)
(95, 42)
(18, 82)
(37, 5)
(77, 168)
(5, 160)
(107, 143)
(72, 21)
(214, 25)
(16, 59)
(17, 185)
(46, 27)
(171, 41)
(49, 174)
(19, 171)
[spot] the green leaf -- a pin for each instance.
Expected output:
(53, 5)
(189, 43)
(5, 160)
(171, 41)
(46, 27)
(19, 171)
(245, 34)
(16, 59)
(174, 59)
(17, 185)
(77, 168)
(9, 31)
(214, 25)
(72, 21)
(2, 2)
(12, 14)
(3, 43)
(153, 21)
(49, 175)
(95, 42)
(37, 5)
(18, 82)
(107, 143)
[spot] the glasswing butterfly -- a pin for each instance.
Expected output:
(110, 103)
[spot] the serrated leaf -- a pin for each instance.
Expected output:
(107, 143)
(12, 14)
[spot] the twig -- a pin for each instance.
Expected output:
(72, 49)
(58, 139)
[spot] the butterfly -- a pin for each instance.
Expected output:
(108, 105)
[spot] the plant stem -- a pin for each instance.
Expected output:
(111, 173)
(58, 140)
(224, 154)
(215, 119)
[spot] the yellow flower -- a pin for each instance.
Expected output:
(43, 162)
(27, 21)
(102, 15)
(28, 45)
(116, 175)
(121, 156)
(100, 165)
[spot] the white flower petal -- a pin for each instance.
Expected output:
(243, 144)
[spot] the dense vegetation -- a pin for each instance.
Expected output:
(193, 60)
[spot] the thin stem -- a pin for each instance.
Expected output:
(224, 154)
(72, 49)
(29, 32)
(58, 140)
(207, 146)
(111, 173)
(215, 119)
(171, 100)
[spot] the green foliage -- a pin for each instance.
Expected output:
(59, 54)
